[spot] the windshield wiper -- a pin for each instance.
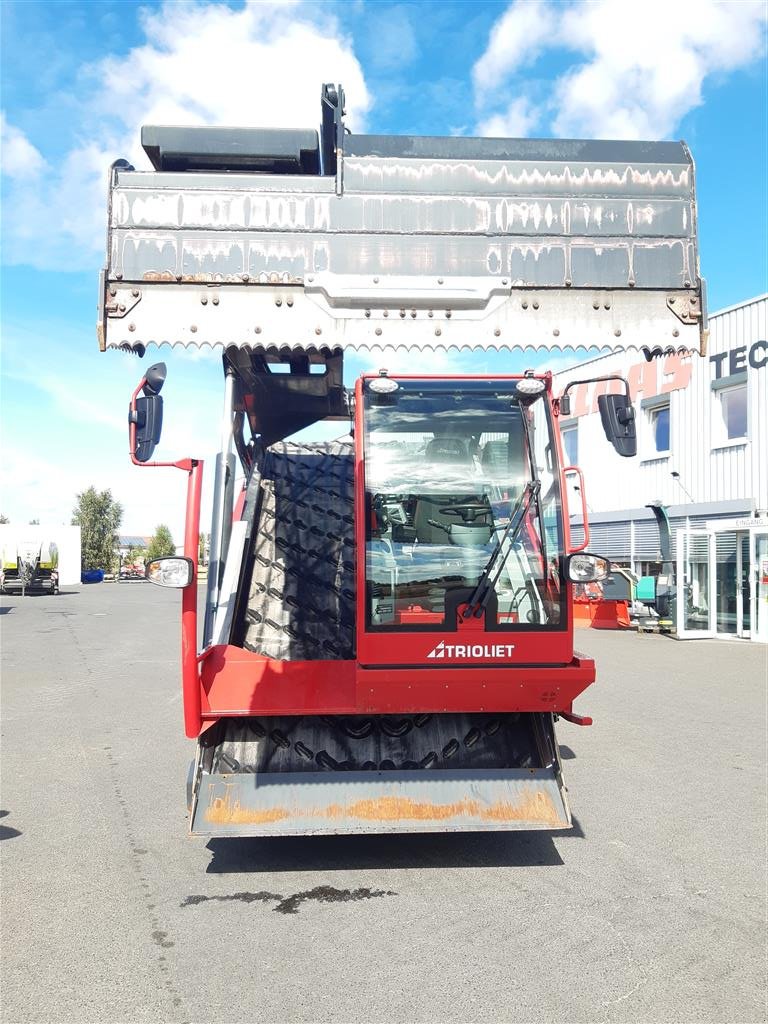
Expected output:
(491, 573)
(539, 509)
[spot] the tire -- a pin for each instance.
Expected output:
(301, 600)
(342, 743)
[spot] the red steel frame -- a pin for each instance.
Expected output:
(543, 673)
(189, 670)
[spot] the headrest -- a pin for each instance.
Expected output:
(447, 449)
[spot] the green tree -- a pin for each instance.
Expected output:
(134, 554)
(99, 516)
(4, 519)
(34, 522)
(161, 544)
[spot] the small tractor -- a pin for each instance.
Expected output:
(387, 640)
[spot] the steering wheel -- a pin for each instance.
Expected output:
(469, 511)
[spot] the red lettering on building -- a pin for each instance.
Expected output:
(579, 404)
(642, 380)
(676, 374)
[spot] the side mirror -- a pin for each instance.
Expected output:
(618, 416)
(154, 379)
(586, 568)
(147, 412)
(149, 424)
(616, 412)
(170, 571)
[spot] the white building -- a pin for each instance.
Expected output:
(702, 425)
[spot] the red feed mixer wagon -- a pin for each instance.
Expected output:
(387, 640)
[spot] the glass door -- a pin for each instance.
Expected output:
(727, 583)
(744, 593)
(695, 570)
(758, 543)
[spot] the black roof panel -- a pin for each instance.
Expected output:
(203, 148)
(428, 147)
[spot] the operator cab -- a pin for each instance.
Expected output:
(449, 464)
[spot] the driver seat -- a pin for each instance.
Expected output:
(443, 450)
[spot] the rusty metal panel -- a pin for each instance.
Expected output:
(262, 804)
(338, 312)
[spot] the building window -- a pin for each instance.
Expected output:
(646, 568)
(733, 410)
(658, 423)
(570, 436)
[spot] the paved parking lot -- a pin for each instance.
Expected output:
(653, 909)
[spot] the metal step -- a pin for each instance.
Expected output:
(508, 776)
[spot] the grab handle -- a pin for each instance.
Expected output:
(575, 469)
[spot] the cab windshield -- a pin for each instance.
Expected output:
(448, 464)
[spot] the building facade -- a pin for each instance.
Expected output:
(702, 428)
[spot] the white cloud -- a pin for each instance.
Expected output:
(635, 74)
(18, 157)
(202, 63)
(46, 488)
(516, 40)
(516, 122)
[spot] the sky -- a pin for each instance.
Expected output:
(79, 79)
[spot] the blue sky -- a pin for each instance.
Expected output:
(79, 79)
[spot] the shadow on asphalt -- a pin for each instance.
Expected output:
(566, 753)
(6, 832)
(382, 852)
(6, 608)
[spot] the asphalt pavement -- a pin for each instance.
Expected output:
(652, 909)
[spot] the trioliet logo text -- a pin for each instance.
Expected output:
(472, 651)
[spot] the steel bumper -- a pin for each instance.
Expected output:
(267, 804)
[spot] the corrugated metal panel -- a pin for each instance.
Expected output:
(725, 546)
(646, 545)
(611, 540)
(577, 535)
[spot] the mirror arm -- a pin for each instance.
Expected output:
(596, 380)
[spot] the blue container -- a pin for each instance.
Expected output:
(92, 576)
